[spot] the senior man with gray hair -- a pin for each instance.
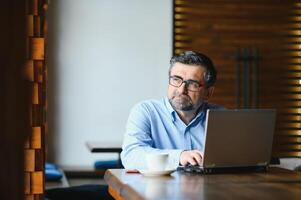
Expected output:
(175, 124)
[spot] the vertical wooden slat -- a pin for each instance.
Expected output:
(37, 48)
(35, 93)
(27, 183)
(29, 160)
(37, 26)
(36, 141)
(29, 197)
(26, 143)
(37, 182)
(29, 71)
(39, 72)
(38, 197)
(30, 25)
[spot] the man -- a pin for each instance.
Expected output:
(173, 125)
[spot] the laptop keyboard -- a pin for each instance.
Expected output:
(201, 170)
(192, 169)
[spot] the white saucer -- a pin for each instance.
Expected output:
(157, 173)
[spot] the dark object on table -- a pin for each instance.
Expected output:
(83, 192)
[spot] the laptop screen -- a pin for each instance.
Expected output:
(238, 137)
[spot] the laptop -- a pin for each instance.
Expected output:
(237, 140)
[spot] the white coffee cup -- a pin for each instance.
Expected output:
(156, 161)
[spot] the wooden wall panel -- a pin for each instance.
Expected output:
(29, 197)
(36, 138)
(219, 28)
(27, 184)
(36, 48)
(29, 159)
(22, 146)
(34, 73)
(37, 182)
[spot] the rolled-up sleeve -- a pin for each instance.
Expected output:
(138, 141)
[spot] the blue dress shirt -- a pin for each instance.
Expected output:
(154, 126)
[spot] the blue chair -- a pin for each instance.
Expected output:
(52, 172)
(107, 164)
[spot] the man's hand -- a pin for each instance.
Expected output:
(193, 157)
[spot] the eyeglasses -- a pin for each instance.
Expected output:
(191, 85)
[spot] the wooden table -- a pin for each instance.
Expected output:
(277, 183)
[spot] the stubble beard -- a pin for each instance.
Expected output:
(181, 102)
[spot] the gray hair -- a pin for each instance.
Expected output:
(199, 59)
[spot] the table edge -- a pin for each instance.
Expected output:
(123, 190)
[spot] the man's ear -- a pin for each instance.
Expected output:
(209, 93)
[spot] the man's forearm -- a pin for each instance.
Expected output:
(134, 158)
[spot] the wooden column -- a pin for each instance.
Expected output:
(14, 99)
(35, 72)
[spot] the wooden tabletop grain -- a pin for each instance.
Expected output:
(275, 184)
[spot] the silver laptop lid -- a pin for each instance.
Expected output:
(237, 138)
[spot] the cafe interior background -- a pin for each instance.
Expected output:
(71, 70)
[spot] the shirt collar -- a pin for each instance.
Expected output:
(202, 111)
(201, 114)
(170, 109)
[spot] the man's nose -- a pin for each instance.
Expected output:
(183, 88)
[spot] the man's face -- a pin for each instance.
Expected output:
(183, 99)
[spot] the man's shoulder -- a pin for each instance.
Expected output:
(150, 104)
(215, 106)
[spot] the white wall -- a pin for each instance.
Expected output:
(103, 56)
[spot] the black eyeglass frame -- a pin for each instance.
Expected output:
(188, 83)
